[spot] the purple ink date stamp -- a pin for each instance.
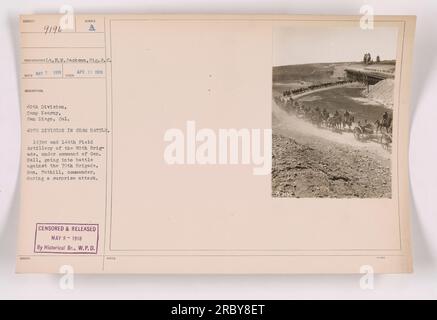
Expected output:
(66, 238)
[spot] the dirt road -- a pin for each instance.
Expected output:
(313, 162)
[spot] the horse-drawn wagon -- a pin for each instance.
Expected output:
(363, 133)
(367, 133)
(380, 131)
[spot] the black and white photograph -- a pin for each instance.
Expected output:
(332, 112)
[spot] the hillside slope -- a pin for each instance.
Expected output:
(382, 92)
(326, 170)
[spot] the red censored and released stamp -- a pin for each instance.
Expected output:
(66, 238)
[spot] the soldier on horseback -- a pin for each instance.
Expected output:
(346, 114)
(385, 122)
(348, 119)
(325, 114)
(385, 118)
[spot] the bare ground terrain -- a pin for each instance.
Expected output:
(313, 162)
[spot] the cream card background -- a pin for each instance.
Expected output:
(422, 159)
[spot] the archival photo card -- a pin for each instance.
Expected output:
(215, 144)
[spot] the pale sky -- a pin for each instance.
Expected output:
(300, 45)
